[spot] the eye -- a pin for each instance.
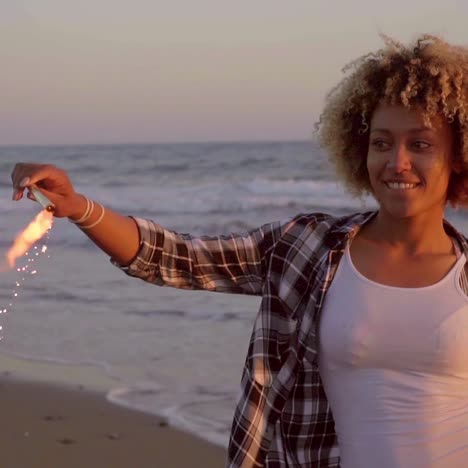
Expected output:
(421, 145)
(380, 144)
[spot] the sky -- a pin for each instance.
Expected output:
(149, 71)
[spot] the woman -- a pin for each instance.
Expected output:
(356, 355)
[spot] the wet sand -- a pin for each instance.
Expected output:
(51, 426)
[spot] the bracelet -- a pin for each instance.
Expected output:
(87, 214)
(103, 211)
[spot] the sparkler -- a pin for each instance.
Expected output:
(42, 199)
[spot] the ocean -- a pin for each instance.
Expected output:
(178, 354)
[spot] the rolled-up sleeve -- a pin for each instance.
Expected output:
(234, 263)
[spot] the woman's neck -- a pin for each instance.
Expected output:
(409, 236)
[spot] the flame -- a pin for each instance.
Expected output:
(36, 229)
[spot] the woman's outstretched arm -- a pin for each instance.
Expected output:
(234, 263)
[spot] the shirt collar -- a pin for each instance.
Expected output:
(349, 225)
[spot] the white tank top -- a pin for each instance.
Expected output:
(394, 365)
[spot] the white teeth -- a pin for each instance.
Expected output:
(400, 186)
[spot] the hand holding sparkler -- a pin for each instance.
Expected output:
(39, 226)
(49, 185)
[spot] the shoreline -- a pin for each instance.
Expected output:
(68, 376)
(47, 425)
(58, 415)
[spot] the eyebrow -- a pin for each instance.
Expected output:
(411, 130)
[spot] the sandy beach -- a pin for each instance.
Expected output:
(51, 426)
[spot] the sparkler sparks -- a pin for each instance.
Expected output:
(35, 230)
(39, 227)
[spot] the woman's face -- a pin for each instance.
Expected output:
(409, 164)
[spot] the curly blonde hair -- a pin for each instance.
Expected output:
(431, 74)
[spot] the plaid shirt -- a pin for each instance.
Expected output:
(283, 418)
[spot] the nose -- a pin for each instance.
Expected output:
(399, 159)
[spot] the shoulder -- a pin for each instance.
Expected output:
(308, 222)
(305, 224)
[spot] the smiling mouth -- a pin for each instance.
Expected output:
(401, 186)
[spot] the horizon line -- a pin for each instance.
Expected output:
(154, 143)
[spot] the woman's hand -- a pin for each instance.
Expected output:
(117, 235)
(53, 182)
